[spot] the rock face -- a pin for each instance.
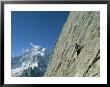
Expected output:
(77, 51)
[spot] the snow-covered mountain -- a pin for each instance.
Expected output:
(30, 62)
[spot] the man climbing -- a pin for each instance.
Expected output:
(77, 48)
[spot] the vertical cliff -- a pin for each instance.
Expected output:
(77, 51)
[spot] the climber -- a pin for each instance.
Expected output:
(77, 48)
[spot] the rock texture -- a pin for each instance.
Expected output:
(83, 59)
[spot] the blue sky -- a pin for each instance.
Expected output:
(38, 27)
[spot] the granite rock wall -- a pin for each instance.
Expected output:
(77, 51)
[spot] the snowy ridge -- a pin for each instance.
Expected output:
(31, 62)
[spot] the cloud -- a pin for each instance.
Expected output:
(32, 44)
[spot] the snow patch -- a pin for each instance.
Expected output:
(29, 59)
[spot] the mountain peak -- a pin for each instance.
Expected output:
(35, 46)
(31, 58)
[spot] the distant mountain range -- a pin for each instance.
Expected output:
(30, 62)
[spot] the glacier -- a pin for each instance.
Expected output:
(31, 62)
